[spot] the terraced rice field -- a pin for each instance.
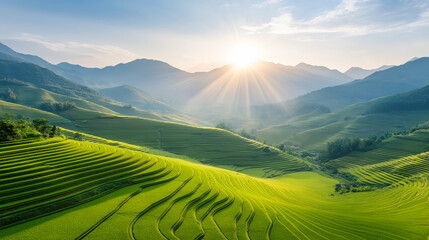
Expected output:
(394, 171)
(211, 146)
(95, 191)
(394, 148)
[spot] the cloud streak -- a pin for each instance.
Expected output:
(96, 55)
(351, 18)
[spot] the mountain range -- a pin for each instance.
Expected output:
(156, 86)
(409, 76)
(270, 83)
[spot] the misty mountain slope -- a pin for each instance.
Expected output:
(9, 57)
(141, 73)
(6, 53)
(44, 78)
(409, 76)
(273, 114)
(360, 73)
(375, 117)
(28, 95)
(25, 57)
(47, 86)
(137, 98)
(264, 83)
(326, 72)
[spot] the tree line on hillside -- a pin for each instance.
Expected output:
(342, 146)
(420, 126)
(16, 129)
(242, 133)
(57, 106)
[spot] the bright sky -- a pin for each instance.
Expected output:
(200, 35)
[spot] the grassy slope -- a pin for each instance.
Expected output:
(314, 133)
(392, 148)
(95, 139)
(208, 145)
(28, 95)
(32, 96)
(7, 107)
(168, 117)
(44, 78)
(396, 112)
(398, 160)
(202, 201)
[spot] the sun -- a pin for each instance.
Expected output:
(244, 55)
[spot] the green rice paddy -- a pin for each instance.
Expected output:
(65, 189)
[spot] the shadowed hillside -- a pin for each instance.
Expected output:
(411, 75)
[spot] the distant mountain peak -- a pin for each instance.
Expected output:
(361, 73)
(324, 71)
(413, 59)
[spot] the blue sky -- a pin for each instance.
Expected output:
(198, 35)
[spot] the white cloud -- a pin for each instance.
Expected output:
(265, 3)
(94, 55)
(351, 18)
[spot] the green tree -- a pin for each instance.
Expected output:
(41, 125)
(78, 136)
(223, 125)
(16, 129)
(8, 116)
(55, 131)
(57, 106)
(8, 131)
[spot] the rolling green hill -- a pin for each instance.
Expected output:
(23, 111)
(208, 145)
(43, 78)
(397, 160)
(396, 170)
(392, 148)
(33, 97)
(387, 114)
(47, 86)
(93, 191)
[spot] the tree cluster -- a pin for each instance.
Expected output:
(342, 146)
(345, 188)
(223, 125)
(420, 126)
(57, 106)
(242, 133)
(245, 134)
(17, 129)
